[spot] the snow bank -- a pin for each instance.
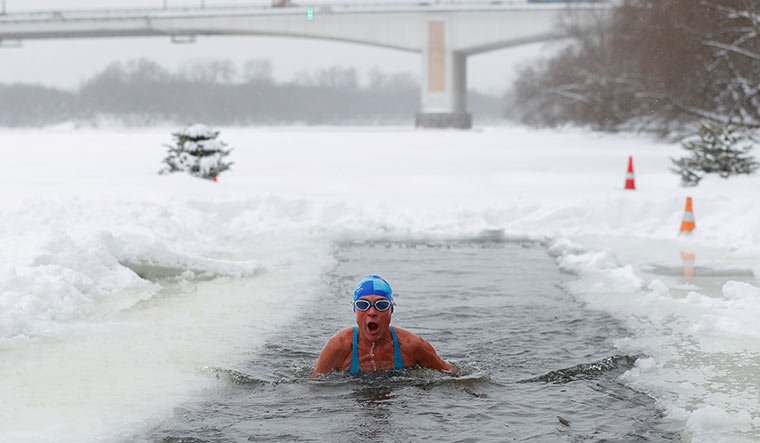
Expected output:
(72, 271)
(701, 348)
(734, 315)
(708, 423)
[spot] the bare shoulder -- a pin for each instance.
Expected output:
(341, 339)
(337, 348)
(421, 352)
(409, 339)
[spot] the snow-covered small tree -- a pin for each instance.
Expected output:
(197, 151)
(716, 149)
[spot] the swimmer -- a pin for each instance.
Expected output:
(373, 345)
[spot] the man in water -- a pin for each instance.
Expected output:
(373, 345)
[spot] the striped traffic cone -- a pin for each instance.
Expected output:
(630, 182)
(688, 259)
(688, 224)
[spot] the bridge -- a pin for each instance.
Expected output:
(444, 34)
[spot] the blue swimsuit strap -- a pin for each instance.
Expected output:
(354, 369)
(398, 361)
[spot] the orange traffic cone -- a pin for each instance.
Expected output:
(688, 258)
(630, 182)
(688, 225)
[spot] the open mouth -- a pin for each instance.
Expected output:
(372, 326)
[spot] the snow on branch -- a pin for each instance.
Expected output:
(733, 48)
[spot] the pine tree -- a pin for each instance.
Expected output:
(197, 151)
(716, 149)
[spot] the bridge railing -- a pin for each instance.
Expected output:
(202, 6)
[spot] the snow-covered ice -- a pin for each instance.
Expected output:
(91, 350)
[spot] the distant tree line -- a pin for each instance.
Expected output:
(651, 65)
(217, 93)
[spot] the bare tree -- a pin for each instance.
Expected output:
(735, 60)
(653, 64)
(258, 71)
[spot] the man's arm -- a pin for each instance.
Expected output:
(332, 355)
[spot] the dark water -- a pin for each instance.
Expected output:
(537, 366)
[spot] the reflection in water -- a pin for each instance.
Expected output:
(374, 417)
(374, 396)
(687, 259)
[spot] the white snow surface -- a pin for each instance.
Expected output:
(92, 351)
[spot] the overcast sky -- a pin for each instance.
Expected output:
(68, 62)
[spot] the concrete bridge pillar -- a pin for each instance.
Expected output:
(444, 80)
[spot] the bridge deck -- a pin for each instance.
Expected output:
(260, 9)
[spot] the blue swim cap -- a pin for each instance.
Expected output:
(373, 285)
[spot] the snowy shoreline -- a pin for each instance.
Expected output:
(79, 205)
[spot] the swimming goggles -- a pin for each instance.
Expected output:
(380, 305)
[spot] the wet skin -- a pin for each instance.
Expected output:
(375, 346)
